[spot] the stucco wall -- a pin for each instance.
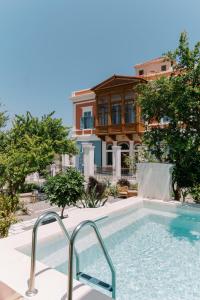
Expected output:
(155, 180)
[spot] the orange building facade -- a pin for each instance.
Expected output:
(107, 115)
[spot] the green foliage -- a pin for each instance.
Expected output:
(8, 206)
(178, 98)
(195, 192)
(123, 182)
(142, 155)
(30, 146)
(95, 194)
(94, 184)
(47, 129)
(65, 188)
(29, 187)
(112, 191)
(133, 186)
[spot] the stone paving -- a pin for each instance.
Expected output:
(36, 209)
(26, 221)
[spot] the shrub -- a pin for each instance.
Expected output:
(133, 186)
(8, 206)
(99, 187)
(113, 191)
(29, 187)
(65, 188)
(95, 194)
(123, 182)
(195, 193)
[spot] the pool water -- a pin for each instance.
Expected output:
(156, 255)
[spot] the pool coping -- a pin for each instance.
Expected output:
(15, 266)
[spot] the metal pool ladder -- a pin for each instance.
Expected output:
(111, 288)
(31, 284)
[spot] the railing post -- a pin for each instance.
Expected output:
(88, 159)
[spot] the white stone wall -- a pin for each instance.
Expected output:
(155, 180)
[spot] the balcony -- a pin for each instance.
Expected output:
(116, 129)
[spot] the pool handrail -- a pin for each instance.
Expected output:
(51, 214)
(71, 252)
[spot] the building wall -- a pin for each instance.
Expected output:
(79, 111)
(153, 67)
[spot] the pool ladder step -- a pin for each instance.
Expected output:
(95, 281)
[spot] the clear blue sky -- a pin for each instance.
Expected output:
(48, 48)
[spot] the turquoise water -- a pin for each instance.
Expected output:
(157, 257)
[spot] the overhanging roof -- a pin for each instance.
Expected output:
(117, 80)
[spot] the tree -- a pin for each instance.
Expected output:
(30, 146)
(65, 188)
(8, 207)
(177, 98)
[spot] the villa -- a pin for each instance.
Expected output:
(106, 115)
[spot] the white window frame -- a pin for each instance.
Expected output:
(86, 109)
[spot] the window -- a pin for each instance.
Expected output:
(103, 114)
(103, 110)
(124, 146)
(129, 112)
(87, 120)
(129, 107)
(109, 155)
(163, 68)
(124, 154)
(141, 72)
(116, 113)
(116, 109)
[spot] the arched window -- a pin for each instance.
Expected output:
(124, 153)
(109, 155)
(124, 146)
(109, 147)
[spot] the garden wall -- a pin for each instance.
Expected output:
(155, 180)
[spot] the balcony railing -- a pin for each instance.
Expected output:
(117, 129)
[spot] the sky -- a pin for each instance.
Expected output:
(49, 48)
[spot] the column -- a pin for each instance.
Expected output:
(116, 162)
(113, 155)
(131, 148)
(88, 159)
(53, 169)
(65, 161)
(104, 154)
(72, 161)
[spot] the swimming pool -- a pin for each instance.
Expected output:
(156, 253)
